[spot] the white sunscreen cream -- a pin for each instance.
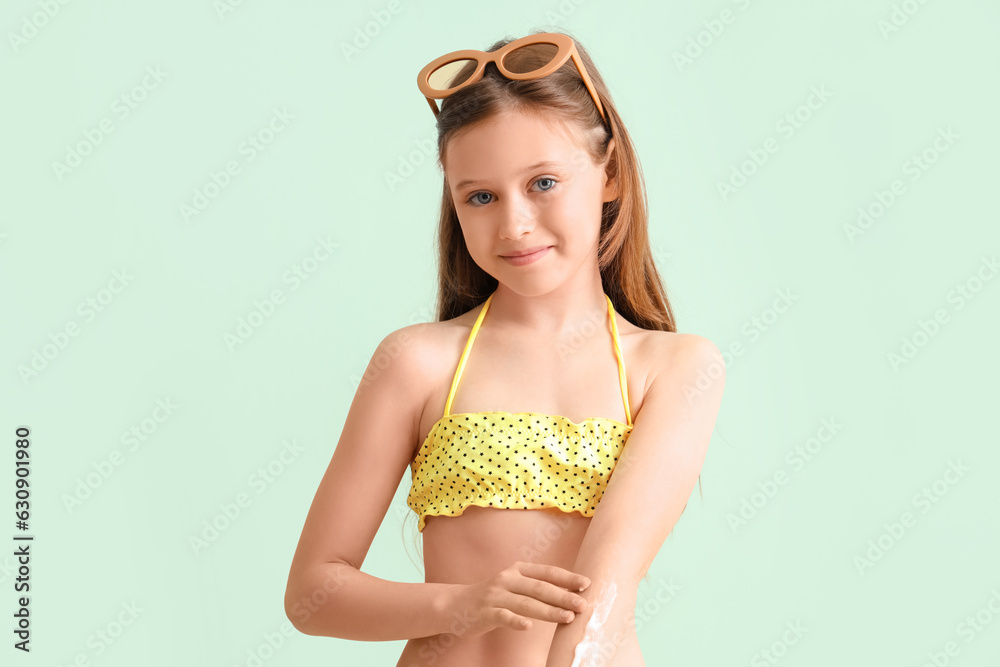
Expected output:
(588, 651)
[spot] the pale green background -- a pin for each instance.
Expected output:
(325, 175)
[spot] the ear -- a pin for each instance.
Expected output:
(610, 182)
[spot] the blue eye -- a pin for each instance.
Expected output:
(479, 203)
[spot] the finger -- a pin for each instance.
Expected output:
(503, 617)
(532, 608)
(555, 575)
(537, 599)
(546, 591)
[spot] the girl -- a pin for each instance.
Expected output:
(554, 363)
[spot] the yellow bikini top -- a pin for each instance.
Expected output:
(523, 460)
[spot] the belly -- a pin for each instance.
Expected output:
(478, 544)
(484, 540)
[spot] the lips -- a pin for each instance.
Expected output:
(530, 257)
(522, 253)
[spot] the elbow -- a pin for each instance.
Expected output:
(303, 603)
(310, 601)
(295, 609)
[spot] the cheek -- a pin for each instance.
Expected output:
(578, 221)
(480, 244)
(584, 200)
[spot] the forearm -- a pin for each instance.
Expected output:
(337, 600)
(610, 615)
(601, 629)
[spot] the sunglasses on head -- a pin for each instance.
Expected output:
(436, 82)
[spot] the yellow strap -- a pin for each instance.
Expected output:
(623, 380)
(622, 377)
(465, 355)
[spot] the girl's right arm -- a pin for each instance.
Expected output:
(338, 600)
(327, 594)
(371, 609)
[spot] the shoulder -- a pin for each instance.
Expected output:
(412, 354)
(398, 360)
(684, 357)
(405, 349)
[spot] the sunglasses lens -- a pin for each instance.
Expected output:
(450, 75)
(531, 57)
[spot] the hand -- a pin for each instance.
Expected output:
(519, 593)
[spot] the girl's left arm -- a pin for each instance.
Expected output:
(647, 492)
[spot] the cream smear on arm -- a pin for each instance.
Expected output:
(588, 651)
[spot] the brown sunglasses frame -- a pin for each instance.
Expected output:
(566, 50)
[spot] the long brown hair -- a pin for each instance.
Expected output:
(628, 272)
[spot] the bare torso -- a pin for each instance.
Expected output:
(483, 540)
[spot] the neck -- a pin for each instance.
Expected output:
(555, 314)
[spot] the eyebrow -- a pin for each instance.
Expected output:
(473, 181)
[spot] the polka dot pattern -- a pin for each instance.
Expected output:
(524, 460)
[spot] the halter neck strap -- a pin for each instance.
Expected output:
(622, 377)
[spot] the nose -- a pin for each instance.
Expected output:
(519, 217)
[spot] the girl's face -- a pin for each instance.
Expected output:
(521, 182)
